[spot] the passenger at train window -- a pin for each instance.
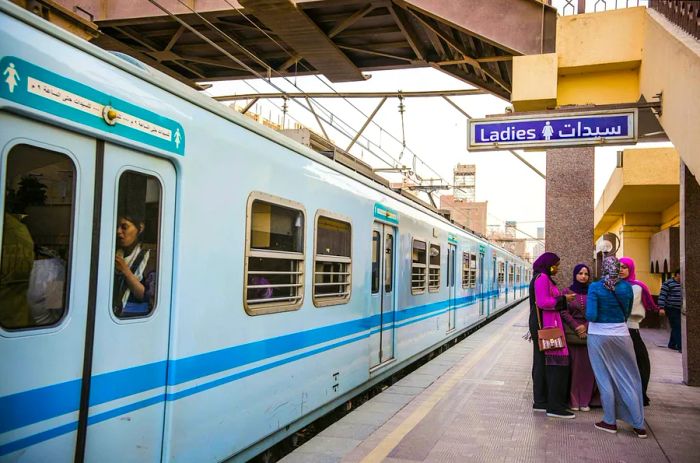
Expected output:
(36, 237)
(136, 257)
(275, 253)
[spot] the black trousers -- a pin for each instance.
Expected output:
(557, 387)
(642, 355)
(674, 319)
(539, 378)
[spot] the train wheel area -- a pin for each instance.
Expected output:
(474, 402)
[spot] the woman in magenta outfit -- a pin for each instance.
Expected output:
(548, 301)
(582, 378)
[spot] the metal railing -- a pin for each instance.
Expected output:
(572, 7)
(683, 13)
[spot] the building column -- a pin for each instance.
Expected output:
(690, 276)
(569, 209)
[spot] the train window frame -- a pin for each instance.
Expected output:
(338, 300)
(160, 238)
(465, 270)
(419, 289)
(511, 274)
(501, 272)
(9, 332)
(270, 308)
(375, 274)
(474, 270)
(434, 269)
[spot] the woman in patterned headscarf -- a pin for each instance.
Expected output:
(611, 351)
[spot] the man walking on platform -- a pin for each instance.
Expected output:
(671, 300)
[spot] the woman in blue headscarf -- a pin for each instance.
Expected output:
(611, 351)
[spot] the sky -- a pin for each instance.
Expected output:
(434, 131)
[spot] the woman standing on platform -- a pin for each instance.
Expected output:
(611, 351)
(550, 370)
(642, 303)
(582, 379)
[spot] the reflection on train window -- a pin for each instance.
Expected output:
(136, 245)
(418, 266)
(388, 263)
(274, 280)
(434, 269)
(332, 262)
(511, 268)
(473, 271)
(36, 237)
(501, 272)
(465, 270)
(376, 241)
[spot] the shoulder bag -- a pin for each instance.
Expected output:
(549, 338)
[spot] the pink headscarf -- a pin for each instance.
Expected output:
(647, 300)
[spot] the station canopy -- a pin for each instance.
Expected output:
(209, 40)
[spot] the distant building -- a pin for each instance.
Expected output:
(471, 215)
(465, 182)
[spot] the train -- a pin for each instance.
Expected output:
(180, 283)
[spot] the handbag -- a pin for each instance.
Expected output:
(573, 338)
(549, 338)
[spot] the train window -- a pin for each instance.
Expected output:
(274, 274)
(388, 263)
(138, 228)
(501, 272)
(511, 268)
(36, 237)
(332, 261)
(376, 241)
(465, 270)
(418, 267)
(434, 268)
(473, 270)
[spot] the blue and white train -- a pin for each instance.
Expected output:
(271, 284)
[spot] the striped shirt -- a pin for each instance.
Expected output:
(671, 296)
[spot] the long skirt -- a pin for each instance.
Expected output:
(582, 379)
(617, 376)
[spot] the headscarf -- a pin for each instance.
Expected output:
(647, 300)
(611, 272)
(544, 263)
(577, 286)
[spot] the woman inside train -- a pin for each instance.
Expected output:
(550, 369)
(574, 317)
(643, 302)
(611, 350)
(134, 261)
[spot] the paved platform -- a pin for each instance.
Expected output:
(474, 403)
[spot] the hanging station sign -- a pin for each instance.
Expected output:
(555, 130)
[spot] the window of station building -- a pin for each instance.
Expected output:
(376, 253)
(418, 266)
(37, 234)
(501, 272)
(136, 245)
(274, 274)
(472, 271)
(332, 261)
(434, 268)
(465, 270)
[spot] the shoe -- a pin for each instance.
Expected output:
(585, 409)
(646, 402)
(641, 433)
(562, 414)
(539, 408)
(603, 426)
(574, 409)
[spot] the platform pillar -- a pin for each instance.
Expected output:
(690, 275)
(569, 208)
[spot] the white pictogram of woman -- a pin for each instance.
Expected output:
(547, 131)
(12, 77)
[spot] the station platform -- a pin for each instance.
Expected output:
(474, 403)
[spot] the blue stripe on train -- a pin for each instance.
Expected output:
(49, 402)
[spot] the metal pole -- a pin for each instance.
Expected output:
(417, 94)
(369, 119)
(318, 121)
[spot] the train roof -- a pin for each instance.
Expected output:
(164, 82)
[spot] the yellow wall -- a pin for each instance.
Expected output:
(651, 166)
(671, 217)
(606, 87)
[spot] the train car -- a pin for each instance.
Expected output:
(179, 283)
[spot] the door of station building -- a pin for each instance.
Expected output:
(382, 287)
(451, 287)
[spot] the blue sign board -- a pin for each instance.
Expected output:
(386, 214)
(553, 130)
(41, 89)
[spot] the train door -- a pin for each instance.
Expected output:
(506, 277)
(494, 287)
(47, 180)
(383, 270)
(451, 287)
(131, 325)
(482, 288)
